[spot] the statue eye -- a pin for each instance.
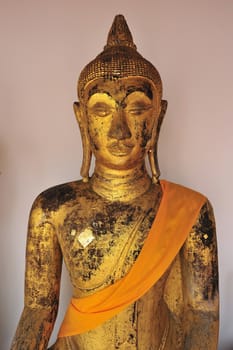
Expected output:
(100, 110)
(138, 109)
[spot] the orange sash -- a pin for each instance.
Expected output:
(176, 215)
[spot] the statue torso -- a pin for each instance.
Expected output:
(100, 241)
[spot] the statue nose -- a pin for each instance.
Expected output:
(119, 129)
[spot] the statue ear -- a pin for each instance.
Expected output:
(160, 119)
(152, 153)
(82, 122)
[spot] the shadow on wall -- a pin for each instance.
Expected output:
(7, 205)
(226, 347)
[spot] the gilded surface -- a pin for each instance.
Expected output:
(99, 225)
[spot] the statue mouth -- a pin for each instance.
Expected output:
(120, 149)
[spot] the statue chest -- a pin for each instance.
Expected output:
(101, 242)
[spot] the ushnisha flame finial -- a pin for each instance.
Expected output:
(119, 34)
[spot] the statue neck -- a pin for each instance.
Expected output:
(120, 185)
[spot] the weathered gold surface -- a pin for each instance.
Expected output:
(99, 225)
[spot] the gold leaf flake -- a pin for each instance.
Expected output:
(73, 232)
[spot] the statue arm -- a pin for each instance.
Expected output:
(42, 282)
(200, 284)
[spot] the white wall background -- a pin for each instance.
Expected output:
(44, 46)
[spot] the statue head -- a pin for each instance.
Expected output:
(119, 85)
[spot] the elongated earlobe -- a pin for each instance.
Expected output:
(152, 153)
(82, 122)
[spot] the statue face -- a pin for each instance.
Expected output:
(121, 115)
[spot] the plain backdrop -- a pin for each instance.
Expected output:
(44, 45)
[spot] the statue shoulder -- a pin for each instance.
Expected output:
(57, 196)
(203, 233)
(200, 248)
(204, 227)
(180, 190)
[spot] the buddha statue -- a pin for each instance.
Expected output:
(141, 252)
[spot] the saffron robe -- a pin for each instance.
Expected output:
(177, 213)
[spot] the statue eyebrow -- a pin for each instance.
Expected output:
(95, 89)
(100, 105)
(145, 89)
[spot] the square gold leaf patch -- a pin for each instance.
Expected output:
(86, 237)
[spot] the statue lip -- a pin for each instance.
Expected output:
(119, 148)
